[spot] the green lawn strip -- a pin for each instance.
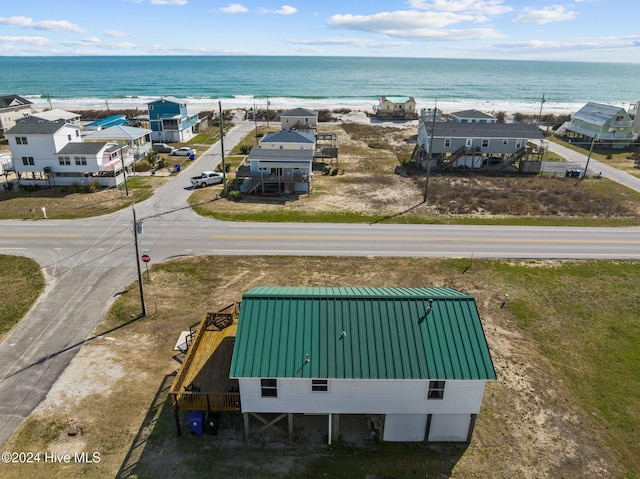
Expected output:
(21, 292)
(584, 317)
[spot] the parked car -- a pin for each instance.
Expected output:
(184, 151)
(162, 148)
(207, 178)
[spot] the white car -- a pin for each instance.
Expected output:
(184, 151)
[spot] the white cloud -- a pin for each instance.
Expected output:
(483, 7)
(234, 8)
(91, 40)
(554, 13)
(595, 43)
(356, 42)
(115, 33)
(36, 41)
(51, 25)
(286, 10)
(168, 2)
(283, 10)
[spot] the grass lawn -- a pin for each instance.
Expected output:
(20, 292)
(565, 403)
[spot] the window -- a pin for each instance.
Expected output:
(519, 144)
(27, 160)
(319, 385)
(64, 160)
(447, 142)
(505, 142)
(469, 142)
(21, 140)
(269, 388)
(77, 133)
(485, 143)
(150, 107)
(68, 137)
(80, 160)
(436, 390)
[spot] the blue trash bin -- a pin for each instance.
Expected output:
(196, 422)
(177, 168)
(192, 157)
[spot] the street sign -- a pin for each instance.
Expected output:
(146, 258)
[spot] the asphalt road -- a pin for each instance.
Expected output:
(87, 262)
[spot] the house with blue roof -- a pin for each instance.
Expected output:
(410, 362)
(170, 121)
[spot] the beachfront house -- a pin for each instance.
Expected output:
(49, 154)
(299, 119)
(288, 140)
(472, 116)
(56, 116)
(138, 139)
(103, 123)
(12, 108)
(606, 125)
(408, 363)
(495, 146)
(396, 108)
(170, 121)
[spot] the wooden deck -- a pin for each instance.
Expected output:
(203, 383)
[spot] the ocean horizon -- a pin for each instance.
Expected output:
(118, 82)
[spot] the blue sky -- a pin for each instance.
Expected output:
(575, 30)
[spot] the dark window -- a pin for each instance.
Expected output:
(21, 140)
(27, 160)
(319, 385)
(485, 143)
(436, 390)
(269, 388)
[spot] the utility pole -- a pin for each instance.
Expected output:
(540, 114)
(430, 154)
(255, 120)
(124, 172)
(137, 225)
(267, 113)
(586, 167)
(224, 169)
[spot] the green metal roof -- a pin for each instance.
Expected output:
(390, 334)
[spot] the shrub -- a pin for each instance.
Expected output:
(334, 171)
(143, 165)
(234, 195)
(245, 149)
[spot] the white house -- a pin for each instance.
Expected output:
(13, 108)
(413, 362)
(138, 139)
(54, 154)
(288, 140)
(58, 116)
(299, 119)
(397, 107)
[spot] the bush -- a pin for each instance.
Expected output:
(334, 171)
(227, 166)
(143, 165)
(234, 195)
(245, 149)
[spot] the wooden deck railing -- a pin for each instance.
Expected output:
(200, 401)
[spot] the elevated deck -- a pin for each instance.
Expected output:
(202, 383)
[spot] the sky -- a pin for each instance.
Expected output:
(563, 30)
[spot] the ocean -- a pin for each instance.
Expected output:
(316, 82)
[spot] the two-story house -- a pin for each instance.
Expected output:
(138, 139)
(607, 125)
(397, 107)
(54, 154)
(282, 163)
(170, 121)
(300, 119)
(412, 362)
(12, 108)
(476, 145)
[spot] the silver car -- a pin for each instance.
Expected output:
(184, 151)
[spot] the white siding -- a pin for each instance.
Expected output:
(404, 427)
(449, 427)
(363, 397)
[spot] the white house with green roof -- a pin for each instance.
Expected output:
(397, 107)
(413, 362)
